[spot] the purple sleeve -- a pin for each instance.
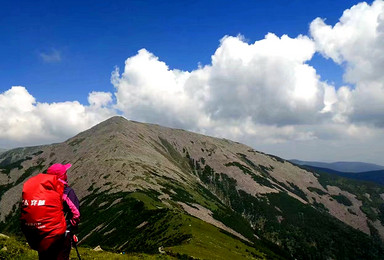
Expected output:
(72, 202)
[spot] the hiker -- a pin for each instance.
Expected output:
(50, 213)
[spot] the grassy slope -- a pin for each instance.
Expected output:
(208, 242)
(17, 249)
(112, 220)
(115, 221)
(297, 228)
(177, 232)
(203, 241)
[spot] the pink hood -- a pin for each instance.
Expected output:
(59, 170)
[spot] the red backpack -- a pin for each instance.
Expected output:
(42, 217)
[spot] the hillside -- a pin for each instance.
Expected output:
(11, 248)
(144, 186)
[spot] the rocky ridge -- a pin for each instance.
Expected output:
(121, 156)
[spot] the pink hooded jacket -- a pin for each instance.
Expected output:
(71, 202)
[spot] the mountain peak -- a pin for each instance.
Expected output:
(139, 184)
(115, 120)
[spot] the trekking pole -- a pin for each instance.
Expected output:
(75, 240)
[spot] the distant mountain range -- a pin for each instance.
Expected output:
(373, 176)
(352, 170)
(143, 187)
(352, 167)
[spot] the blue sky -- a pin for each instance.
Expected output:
(298, 79)
(92, 37)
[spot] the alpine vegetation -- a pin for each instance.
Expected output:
(151, 189)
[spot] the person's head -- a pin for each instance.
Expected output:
(59, 170)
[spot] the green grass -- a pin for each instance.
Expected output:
(181, 235)
(88, 253)
(11, 248)
(208, 242)
(115, 226)
(151, 203)
(16, 248)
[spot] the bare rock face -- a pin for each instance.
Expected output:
(98, 248)
(121, 156)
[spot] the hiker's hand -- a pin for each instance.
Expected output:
(74, 222)
(75, 239)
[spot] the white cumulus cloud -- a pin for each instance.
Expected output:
(148, 90)
(23, 121)
(262, 93)
(267, 82)
(357, 43)
(100, 99)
